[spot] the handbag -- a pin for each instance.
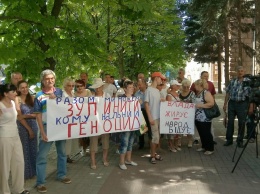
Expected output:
(212, 112)
(143, 128)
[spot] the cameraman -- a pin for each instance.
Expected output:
(237, 97)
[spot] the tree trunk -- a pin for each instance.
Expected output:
(257, 34)
(239, 40)
(108, 28)
(220, 49)
(227, 52)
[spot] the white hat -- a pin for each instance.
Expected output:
(175, 82)
(97, 83)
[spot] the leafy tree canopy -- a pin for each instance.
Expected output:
(84, 35)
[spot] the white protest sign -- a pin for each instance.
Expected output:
(77, 117)
(177, 117)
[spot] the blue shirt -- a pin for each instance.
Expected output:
(140, 94)
(237, 91)
(40, 103)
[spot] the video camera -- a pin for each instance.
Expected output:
(253, 81)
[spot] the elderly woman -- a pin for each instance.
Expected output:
(186, 95)
(68, 87)
(203, 100)
(98, 87)
(81, 91)
(173, 96)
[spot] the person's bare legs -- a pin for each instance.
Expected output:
(105, 153)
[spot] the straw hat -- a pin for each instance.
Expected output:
(97, 83)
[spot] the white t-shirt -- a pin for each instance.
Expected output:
(153, 97)
(8, 116)
(110, 89)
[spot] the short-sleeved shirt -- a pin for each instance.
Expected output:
(153, 97)
(237, 91)
(110, 89)
(211, 88)
(40, 103)
(141, 95)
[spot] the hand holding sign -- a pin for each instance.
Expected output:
(177, 118)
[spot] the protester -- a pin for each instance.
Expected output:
(68, 91)
(98, 87)
(152, 107)
(181, 74)
(127, 138)
(27, 127)
(40, 108)
(203, 100)
(109, 87)
(174, 142)
(140, 76)
(11, 152)
(142, 85)
(16, 77)
(236, 99)
(186, 95)
(121, 90)
(82, 92)
(211, 88)
(84, 77)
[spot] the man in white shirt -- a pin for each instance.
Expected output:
(108, 87)
(152, 106)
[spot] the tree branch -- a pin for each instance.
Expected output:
(56, 8)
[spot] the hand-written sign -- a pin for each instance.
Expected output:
(177, 117)
(82, 117)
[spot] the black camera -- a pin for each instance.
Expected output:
(253, 81)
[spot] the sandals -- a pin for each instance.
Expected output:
(106, 164)
(153, 160)
(94, 167)
(158, 157)
(25, 192)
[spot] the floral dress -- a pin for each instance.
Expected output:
(29, 145)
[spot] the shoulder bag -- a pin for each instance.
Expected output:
(212, 112)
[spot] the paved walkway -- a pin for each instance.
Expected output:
(186, 171)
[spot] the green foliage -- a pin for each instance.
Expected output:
(118, 37)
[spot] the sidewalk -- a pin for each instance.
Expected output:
(186, 171)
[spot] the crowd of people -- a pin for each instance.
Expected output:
(24, 116)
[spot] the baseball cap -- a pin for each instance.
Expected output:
(158, 74)
(175, 82)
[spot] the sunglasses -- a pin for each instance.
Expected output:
(77, 86)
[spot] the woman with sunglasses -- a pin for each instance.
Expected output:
(81, 91)
(68, 91)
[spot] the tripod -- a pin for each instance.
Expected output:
(255, 129)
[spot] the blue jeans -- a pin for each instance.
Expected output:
(238, 109)
(127, 140)
(41, 160)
